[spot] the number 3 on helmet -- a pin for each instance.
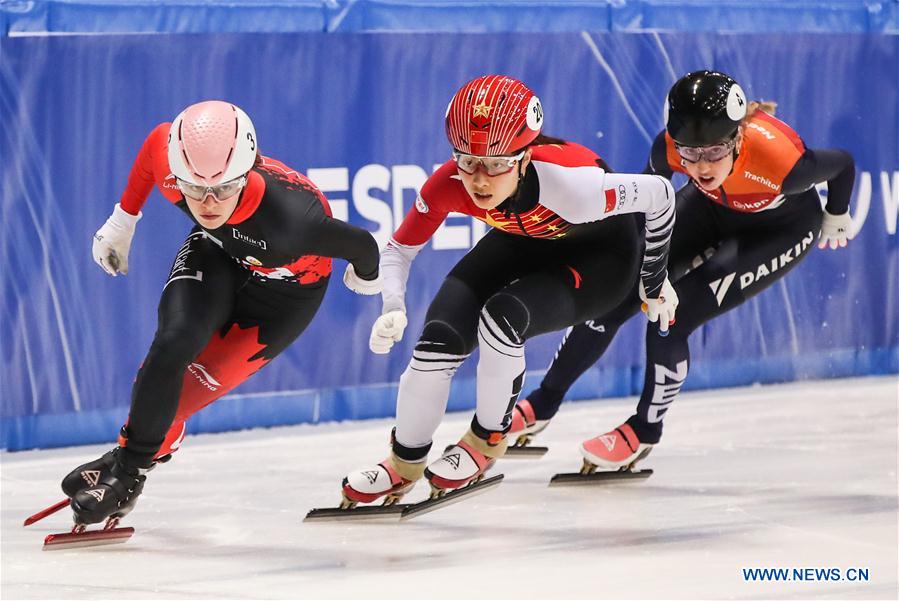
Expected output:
(211, 142)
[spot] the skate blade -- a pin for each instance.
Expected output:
(429, 505)
(89, 538)
(577, 478)
(45, 512)
(525, 452)
(366, 512)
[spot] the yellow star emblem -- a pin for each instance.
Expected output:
(562, 235)
(481, 110)
(552, 228)
(489, 220)
(535, 219)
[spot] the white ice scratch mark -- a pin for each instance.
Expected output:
(57, 306)
(605, 66)
(47, 196)
(29, 364)
(760, 326)
(667, 58)
(794, 339)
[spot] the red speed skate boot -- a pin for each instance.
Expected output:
(618, 449)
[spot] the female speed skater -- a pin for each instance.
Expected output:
(565, 246)
(750, 207)
(244, 285)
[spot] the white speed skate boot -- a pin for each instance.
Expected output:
(390, 479)
(465, 462)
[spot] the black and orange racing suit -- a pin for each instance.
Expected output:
(727, 246)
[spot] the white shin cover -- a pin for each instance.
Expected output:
(423, 394)
(500, 371)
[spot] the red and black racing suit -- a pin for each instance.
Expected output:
(564, 247)
(237, 295)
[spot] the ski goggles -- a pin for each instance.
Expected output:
(220, 192)
(711, 154)
(493, 166)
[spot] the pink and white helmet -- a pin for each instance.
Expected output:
(493, 115)
(211, 142)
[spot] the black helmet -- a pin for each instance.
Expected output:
(704, 108)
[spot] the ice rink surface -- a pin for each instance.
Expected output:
(791, 476)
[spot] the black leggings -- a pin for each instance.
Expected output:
(719, 259)
(533, 286)
(506, 290)
(218, 324)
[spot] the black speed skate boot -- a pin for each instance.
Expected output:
(89, 474)
(113, 496)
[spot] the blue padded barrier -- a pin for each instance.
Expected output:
(29, 17)
(362, 116)
(473, 16)
(163, 16)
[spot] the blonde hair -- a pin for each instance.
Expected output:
(767, 106)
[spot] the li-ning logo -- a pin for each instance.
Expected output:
(761, 180)
(91, 477)
(203, 377)
(247, 240)
(166, 184)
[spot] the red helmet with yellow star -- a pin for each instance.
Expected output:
(493, 115)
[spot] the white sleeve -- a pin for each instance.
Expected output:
(396, 261)
(654, 196)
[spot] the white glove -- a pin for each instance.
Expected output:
(358, 285)
(113, 241)
(386, 330)
(661, 309)
(835, 230)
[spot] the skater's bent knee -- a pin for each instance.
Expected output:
(443, 337)
(176, 346)
(507, 314)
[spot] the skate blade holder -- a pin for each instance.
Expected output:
(524, 451)
(519, 450)
(365, 512)
(589, 475)
(401, 511)
(450, 497)
(81, 537)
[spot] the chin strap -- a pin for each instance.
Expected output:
(513, 198)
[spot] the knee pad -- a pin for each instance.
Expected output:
(506, 318)
(442, 337)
